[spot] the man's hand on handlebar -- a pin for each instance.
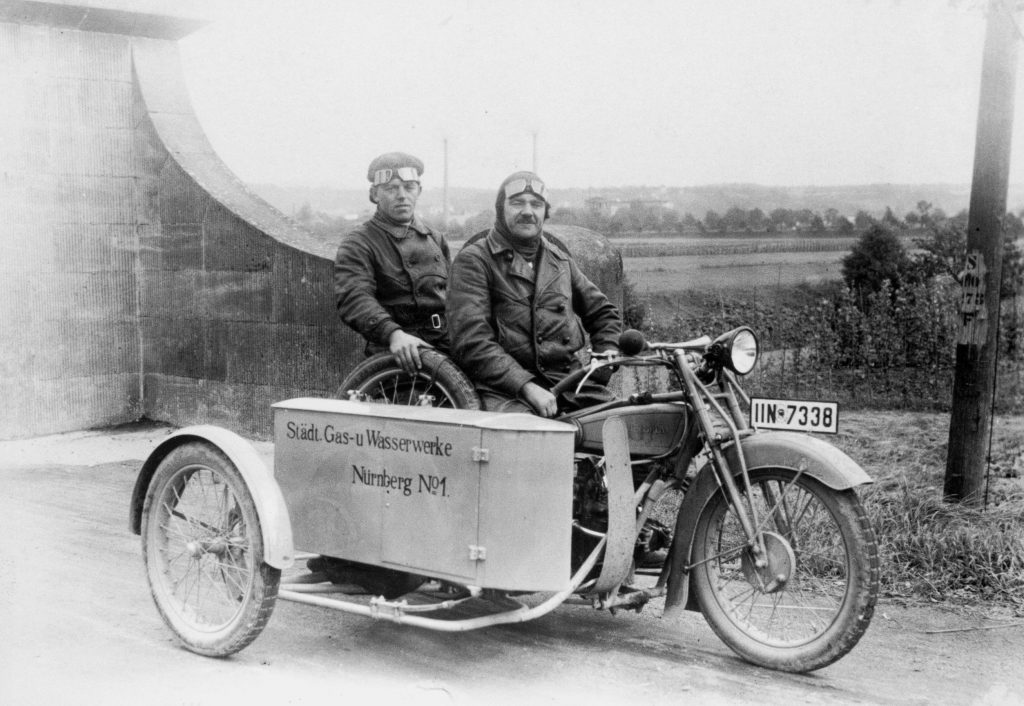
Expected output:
(406, 349)
(542, 401)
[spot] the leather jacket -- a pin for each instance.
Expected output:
(389, 277)
(508, 327)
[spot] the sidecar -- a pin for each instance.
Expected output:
(477, 503)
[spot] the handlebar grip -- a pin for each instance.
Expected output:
(631, 342)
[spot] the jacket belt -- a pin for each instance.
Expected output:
(415, 319)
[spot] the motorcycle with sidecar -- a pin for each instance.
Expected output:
(501, 518)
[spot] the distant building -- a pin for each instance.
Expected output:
(601, 206)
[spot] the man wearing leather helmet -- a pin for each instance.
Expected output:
(391, 273)
(519, 305)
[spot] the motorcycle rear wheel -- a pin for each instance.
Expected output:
(439, 383)
(814, 600)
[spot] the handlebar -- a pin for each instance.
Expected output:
(569, 381)
(631, 343)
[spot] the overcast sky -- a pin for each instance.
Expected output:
(618, 92)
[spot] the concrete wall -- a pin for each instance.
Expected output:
(70, 350)
(138, 276)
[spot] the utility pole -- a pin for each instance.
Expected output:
(444, 206)
(976, 349)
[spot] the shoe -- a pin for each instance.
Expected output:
(653, 559)
(373, 579)
(652, 545)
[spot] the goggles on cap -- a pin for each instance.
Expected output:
(518, 186)
(383, 176)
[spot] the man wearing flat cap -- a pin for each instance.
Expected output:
(518, 305)
(391, 273)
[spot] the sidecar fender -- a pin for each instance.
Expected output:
(799, 452)
(278, 549)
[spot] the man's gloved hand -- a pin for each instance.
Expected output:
(542, 401)
(406, 349)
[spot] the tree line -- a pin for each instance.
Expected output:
(884, 335)
(647, 219)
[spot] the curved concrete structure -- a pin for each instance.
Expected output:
(138, 276)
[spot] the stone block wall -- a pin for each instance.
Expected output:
(231, 320)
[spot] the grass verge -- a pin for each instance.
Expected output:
(931, 549)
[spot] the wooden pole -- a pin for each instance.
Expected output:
(976, 349)
(444, 205)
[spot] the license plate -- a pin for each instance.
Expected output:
(794, 415)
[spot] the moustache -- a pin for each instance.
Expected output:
(532, 220)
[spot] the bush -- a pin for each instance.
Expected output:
(634, 307)
(877, 258)
(912, 327)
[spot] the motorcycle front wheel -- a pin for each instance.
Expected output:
(812, 598)
(439, 383)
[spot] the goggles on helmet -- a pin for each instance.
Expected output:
(518, 186)
(383, 176)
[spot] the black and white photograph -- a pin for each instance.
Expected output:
(555, 352)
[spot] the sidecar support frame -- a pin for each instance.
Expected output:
(799, 452)
(401, 612)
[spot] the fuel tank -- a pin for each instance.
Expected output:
(653, 429)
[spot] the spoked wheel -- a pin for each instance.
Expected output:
(810, 600)
(203, 548)
(439, 383)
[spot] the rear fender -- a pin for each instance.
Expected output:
(798, 452)
(278, 549)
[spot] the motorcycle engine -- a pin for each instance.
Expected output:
(589, 505)
(590, 512)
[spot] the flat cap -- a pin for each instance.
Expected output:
(391, 164)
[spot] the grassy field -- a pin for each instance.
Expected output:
(731, 245)
(666, 265)
(670, 274)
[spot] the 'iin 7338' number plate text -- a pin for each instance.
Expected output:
(794, 415)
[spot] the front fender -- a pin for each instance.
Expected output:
(278, 548)
(798, 452)
(786, 449)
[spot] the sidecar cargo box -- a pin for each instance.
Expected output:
(479, 498)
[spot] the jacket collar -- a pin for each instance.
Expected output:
(401, 231)
(498, 243)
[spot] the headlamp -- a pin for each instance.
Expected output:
(743, 351)
(737, 350)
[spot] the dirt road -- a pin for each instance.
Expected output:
(78, 626)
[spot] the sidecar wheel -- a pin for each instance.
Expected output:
(203, 549)
(439, 383)
(814, 599)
